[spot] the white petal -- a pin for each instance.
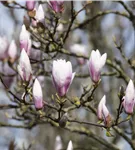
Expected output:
(61, 71)
(103, 60)
(98, 55)
(12, 50)
(100, 107)
(24, 63)
(94, 60)
(97, 60)
(105, 111)
(24, 35)
(70, 146)
(37, 90)
(40, 13)
(58, 143)
(130, 92)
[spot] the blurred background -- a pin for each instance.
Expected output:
(98, 34)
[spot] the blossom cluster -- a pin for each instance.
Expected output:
(62, 70)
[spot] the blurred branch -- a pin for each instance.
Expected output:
(119, 47)
(119, 70)
(100, 14)
(126, 7)
(87, 123)
(121, 133)
(18, 99)
(102, 74)
(84, 131)
(8, 106)
(71, 22)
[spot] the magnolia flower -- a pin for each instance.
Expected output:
(57, 6)
(62, 76)
(3, 48)
(129, 98)
(103, 113)
(30, 4)
(37, 95)
(79, 49)
(58, 143)
(40, 14)
(96, 63)
(25, 41)
(24, 67)
(70, 146)
(12, 50)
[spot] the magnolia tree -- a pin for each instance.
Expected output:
(47, 57)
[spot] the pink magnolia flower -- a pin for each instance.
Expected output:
(96, 63)
(25, 41)
(62, 76)
(103, 113)
(37, 95)
(57, 6)
(3, 48)
(129, 98)
(24, 67)
(12, 50)
(70, 146)
(30, 4)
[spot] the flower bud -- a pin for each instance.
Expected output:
(30, 4)
(70, 146)
(129, 98)
(24, 67)
(3, 48)
(96, 63)
(37, 95)
(25, 41)
(12, 51)
(57, 6)
(100, 108)
(40, 14)
(62, 76)
(103, 113)
(106, 116)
